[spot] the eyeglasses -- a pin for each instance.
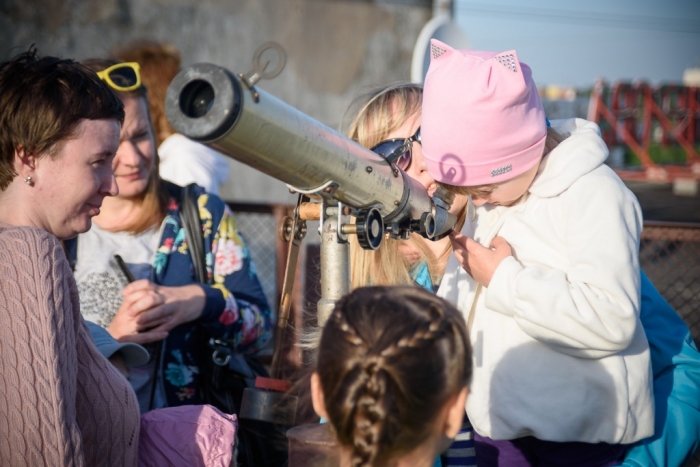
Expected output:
(122, 77)
(398, 151)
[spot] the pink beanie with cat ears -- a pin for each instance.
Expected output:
(483, 121)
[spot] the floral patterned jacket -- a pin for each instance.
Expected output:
(235, 309)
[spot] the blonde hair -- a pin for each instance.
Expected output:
(153, 202)
(382, 111)
(551, 141)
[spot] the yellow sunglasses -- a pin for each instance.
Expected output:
(122, 77)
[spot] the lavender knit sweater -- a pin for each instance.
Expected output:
(61, 402)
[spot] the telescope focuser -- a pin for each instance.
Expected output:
(369, 229)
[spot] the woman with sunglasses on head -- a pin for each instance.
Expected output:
(144, 225)
(62, 402)
(182, 160)
(674, 356)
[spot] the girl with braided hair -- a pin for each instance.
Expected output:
(392, 373)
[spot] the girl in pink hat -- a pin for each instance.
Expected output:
(562, 366)
(388, 120)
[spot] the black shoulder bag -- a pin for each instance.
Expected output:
(225, 373)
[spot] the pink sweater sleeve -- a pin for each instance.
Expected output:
(39, 326)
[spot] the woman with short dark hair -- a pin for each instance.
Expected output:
(62, 402)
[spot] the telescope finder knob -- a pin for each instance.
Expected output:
(370, 229)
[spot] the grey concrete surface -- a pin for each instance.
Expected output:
(336, 49)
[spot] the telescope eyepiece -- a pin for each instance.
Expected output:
(425, 225)
(197, 98)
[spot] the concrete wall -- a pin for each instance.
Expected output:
(336, 49)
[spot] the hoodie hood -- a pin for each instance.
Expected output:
(582, 151)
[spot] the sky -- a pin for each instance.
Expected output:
(572, 43)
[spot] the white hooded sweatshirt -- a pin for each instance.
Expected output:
(559, 351)
(184, 161)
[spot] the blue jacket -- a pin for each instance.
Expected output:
(675, 362)
(235, 308)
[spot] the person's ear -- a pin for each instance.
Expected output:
(24, 162)
(455, 414)
(317, 396)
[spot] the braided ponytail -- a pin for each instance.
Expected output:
(371, 408)
(389, 359)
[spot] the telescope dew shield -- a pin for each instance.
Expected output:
(207, 103)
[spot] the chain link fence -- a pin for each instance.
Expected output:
(259, 232)
(670, 255)
(258, 224)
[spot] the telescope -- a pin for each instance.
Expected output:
(210, 104)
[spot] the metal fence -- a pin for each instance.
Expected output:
(258, 228)
(670, 255)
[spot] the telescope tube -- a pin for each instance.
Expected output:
(209, 104)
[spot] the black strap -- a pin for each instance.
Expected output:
(189, 215)
(70, 246)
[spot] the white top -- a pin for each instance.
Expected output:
(100, 283)
(559, 350)
(183, 161)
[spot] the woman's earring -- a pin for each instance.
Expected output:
(28, 181)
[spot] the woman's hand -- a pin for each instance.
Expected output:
(125, 326)
(478, 261)
(409, 252)
(149, 310)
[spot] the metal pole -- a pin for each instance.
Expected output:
(335, 262)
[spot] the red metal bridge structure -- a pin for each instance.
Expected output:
(637, 115)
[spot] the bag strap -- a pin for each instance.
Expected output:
(189, 214)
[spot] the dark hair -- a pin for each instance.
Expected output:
(42, 101)
(390, 358)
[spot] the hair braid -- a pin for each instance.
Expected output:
(370, 413)
(349, 333)
(367, 397)
(389, 359)
(434, 329)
